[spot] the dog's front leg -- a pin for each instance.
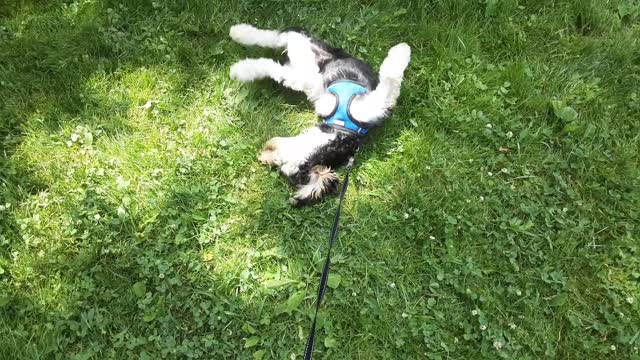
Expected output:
(373, 107)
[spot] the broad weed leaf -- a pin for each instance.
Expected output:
(330, 342)
(626, 8)
(334, 280)
(295, 300)
(149, 316)
(139, 289)
(252, 341)
(564, 112)
(274, 284)
(259, 354)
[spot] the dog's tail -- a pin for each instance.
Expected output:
(322, 181)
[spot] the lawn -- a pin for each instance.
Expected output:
(495, 215)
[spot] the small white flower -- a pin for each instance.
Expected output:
(483, 327)
(488, 126)
(69, 143)
(121, 183)
(629, 299)
(565, 209)
(431, 237)
(354, 294)
(405, 215)
(613, 348)
(489, 173)
(509, 134)
(518, 292)
(498, 345)
(474, 312)
(428, 167)
(455, 340)
(161, 276)
(512, 326)
(481, 198)
(468, 201)
(74, 137)
(392, 285)
(97, 216)
(405, 315)
(121, 212)
(504, 170)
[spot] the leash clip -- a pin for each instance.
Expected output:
(350, 163)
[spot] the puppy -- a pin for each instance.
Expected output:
(349, 97)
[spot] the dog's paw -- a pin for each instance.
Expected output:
(266, 157)
(325, 105)
(401, 51)
(396, 61)
(242, 71)
(297, 202)
(240, 32)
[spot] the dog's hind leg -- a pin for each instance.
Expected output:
(300, 73)
(305, 74)
(255, 69)
(249, 35)
(322, 181)
(376, 105)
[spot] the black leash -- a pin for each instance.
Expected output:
(308, 352)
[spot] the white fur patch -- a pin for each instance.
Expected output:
(374, 106)
(302, 72)
(396, 62)
(248, 35)
(292, 152)
(325, 105)
(255, 69)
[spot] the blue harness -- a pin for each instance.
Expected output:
(345, 91)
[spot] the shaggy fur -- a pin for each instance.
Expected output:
(310, 65)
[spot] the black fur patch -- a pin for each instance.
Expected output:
(334, 154)
(336, 64)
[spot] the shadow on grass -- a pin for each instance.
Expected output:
(48, 53)
(146, 283)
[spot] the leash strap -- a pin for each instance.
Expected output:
(308, 352)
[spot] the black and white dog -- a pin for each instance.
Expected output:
(347, 94)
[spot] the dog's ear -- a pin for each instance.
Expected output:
(322, 181)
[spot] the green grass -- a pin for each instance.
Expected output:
(494, 216)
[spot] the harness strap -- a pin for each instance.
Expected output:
(308, 352)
